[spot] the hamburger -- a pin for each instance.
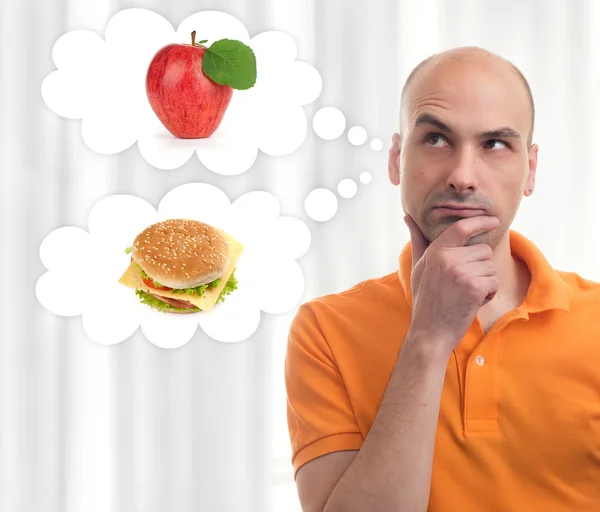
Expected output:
(182, 266)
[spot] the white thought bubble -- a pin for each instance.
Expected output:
(329, 123)
(102, 81)
(84, 267)
(321, 204)
(347, 188)
(365, 177)
(357, 135)
(376, 144)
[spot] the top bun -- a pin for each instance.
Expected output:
(181, 253)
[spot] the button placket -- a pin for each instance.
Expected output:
(481, 387)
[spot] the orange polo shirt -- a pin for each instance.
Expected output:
(519, 424)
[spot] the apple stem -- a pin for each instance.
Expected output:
(193, 38)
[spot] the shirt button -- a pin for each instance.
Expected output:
(480, 360)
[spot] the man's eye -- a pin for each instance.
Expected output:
(496, 140)
(434, 137)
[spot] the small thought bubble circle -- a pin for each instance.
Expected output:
(321, 204)
(357, 135)
(329, 123)
(365, 177)
(347, 188)
(376, 144)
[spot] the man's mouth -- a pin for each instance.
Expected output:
(458, 211)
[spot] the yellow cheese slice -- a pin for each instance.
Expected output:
(132, 278)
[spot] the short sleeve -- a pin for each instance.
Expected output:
(320, 416)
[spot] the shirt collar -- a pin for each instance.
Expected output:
(546, 291)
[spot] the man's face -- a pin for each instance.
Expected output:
(446, 156)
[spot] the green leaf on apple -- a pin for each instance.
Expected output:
(230, 62)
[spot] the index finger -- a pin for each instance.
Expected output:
(458, 234)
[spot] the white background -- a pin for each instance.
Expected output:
(134, 427)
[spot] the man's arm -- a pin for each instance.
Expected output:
(317, 478)
(392, 469)
(450, 281)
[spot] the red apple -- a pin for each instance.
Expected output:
(188, 103)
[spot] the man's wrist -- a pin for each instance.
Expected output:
(428, 348)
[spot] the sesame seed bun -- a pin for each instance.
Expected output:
(181, 253)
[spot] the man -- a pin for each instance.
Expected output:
(468, 380)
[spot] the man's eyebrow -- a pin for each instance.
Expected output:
(504, 132)
(429, 119)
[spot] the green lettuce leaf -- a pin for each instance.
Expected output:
(199, 290)
(128, 250)
(229, 287)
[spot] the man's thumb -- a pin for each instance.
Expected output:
(419, 242)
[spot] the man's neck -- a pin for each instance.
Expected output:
(514, 277)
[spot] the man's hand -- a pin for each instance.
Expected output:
(451, 281)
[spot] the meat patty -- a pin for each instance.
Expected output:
(183, 304)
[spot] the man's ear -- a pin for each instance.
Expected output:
(532, 161)
(394, 159)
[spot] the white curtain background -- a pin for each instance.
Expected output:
(133, 427)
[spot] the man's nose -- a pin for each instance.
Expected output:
(463, 170)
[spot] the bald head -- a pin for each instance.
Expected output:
(470, 57)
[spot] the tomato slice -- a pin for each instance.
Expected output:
(150, 284)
